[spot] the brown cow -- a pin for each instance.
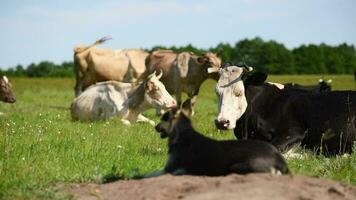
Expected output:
(95, 65)
(6, 93)
(183, 72)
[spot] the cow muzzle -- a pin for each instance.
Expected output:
(222, 124)
(172, 104)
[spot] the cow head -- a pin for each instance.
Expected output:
(6, 93)
(211, 64)
(156, 93)
(324, 86)
(230, 90)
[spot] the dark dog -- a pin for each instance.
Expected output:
(191, 153)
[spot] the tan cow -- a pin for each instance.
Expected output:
(183, 72)
(93, 65)
(105, 100)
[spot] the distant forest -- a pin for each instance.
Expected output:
(269, 56)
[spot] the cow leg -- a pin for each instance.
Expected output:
(78, 88)
(141, 118)
(126, 122)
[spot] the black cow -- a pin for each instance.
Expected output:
(194, 154)
(324, 122)
(323, 86)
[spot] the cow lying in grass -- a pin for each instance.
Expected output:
(324, 122)
(189, 152)
(105, 100)
(322, 86)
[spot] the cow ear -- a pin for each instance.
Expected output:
(201, 59)
(257, 78)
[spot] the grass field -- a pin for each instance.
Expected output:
(40, 146)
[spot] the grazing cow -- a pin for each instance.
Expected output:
(324, 122)
(6, 93)
(105, 100)
(189, 152)
(183, 72)
(95, 65)
(323, 86)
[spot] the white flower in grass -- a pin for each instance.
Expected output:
(23, 158)
(119, 146)
(159, 149)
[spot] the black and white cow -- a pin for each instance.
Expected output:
(324, 122)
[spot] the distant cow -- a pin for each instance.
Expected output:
(323, 86)
(189, 152)
(257, 110)
(6, 93)
(95, 65)
(105, 100)
(183, 72)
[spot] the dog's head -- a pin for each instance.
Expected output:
(171, 119)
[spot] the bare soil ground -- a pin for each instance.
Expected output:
(251, 187)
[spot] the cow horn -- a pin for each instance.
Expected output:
(151, 75)
(160, 74)
(213, 70)
(247, 68)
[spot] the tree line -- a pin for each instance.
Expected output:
(269, 56)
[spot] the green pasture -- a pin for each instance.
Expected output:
(41, 147)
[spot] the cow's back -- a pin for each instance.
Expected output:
(99, 102)
(137, 60)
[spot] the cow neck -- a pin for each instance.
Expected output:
(196, 75)
(136, 98)
(261, 96)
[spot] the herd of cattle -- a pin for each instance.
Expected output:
(126, 82)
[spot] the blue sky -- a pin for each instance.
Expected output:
(35, 30)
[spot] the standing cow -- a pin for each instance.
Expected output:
(324, 122)
(105, 100)
(183, 72)
(95, 65)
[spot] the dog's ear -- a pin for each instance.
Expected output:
(186, 107)
(174, 113)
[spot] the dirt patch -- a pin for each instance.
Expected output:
(251, 187)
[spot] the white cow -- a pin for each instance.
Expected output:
(105, 100)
